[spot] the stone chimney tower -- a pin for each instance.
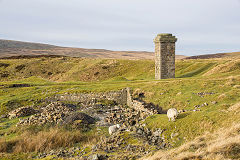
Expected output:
(165, 56)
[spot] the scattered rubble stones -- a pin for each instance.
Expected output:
(139, 131)
(106, 113)
(3, 116)
(202, 105)
(108, 146)
(146, 107)
(52, 113)
(214, 102)
(97, 157)
(79, 120)
(22, 112)
(74, 153)
(125, 116)
(118, 114)
(181, 110)
(202, 94)
(66, 153)
(122, 97)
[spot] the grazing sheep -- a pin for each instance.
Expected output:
(172, 113)
(113, 129)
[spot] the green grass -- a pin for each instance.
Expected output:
(76, 75)
(188, 125)
(197, 70)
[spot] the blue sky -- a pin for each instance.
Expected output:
(201, 26)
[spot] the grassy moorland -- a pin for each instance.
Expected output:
(215, 82)
(217, 145)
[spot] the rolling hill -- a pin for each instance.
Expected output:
(10, 48)
(206, 91)
(217, 55)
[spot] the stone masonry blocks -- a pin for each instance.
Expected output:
(165, 56)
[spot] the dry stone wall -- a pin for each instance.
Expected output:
(122, 97)
(119, 97)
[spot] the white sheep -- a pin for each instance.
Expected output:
(113, 129)
(172, 113)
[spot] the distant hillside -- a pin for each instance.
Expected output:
(217, 55)
(14, 49)
(9, 44)
(63, 69)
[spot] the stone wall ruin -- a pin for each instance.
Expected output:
(122, 97)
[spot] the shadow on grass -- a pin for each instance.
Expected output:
(150, 106)
(182, 115)
(196, 72)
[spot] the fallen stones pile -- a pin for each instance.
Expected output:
(74, 153)
(116, 143)
(148, 108)
(147, 139)
(52, 113)
(126, 116)
(151, 137)
(115, 114)
(107, 114)
(21, 112)
(129, 118)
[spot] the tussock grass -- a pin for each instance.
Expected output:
(7, 146)
(221, 145)
(45, 140)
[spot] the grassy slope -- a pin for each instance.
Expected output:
(220, 76)
(222, 144)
